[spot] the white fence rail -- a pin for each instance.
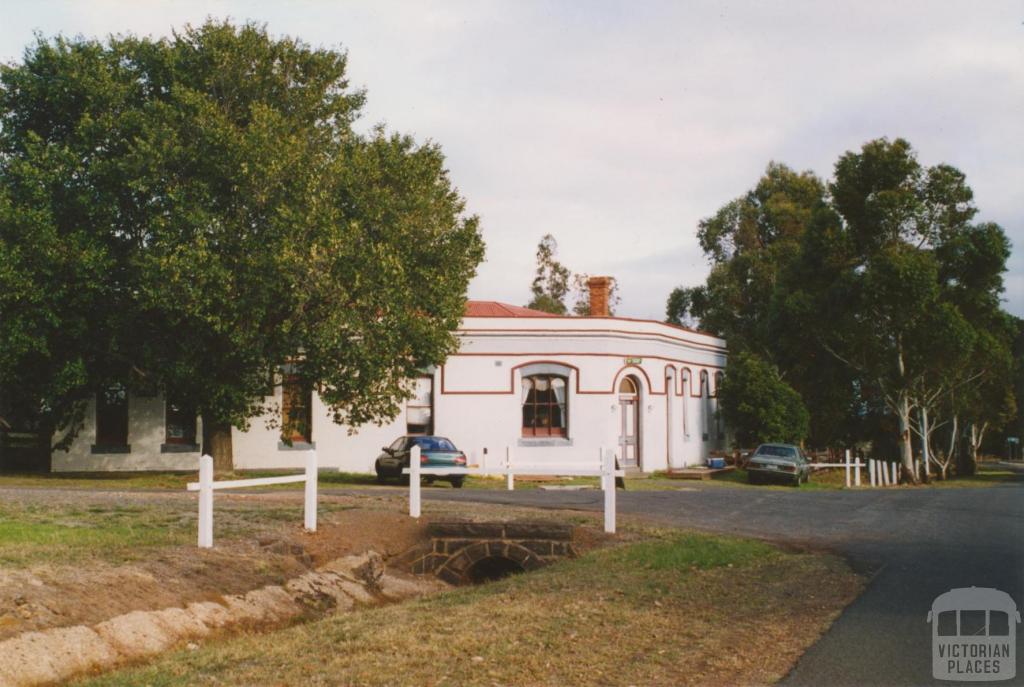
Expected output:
(851, 467)
(606, 471)
(880, 473)
(206, 486)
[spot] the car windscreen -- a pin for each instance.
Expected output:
(434, 444)
(776, 451)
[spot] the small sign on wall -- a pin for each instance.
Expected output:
(634, 361)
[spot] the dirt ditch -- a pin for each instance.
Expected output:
(54, 595)
(63, 619)
(57, 654)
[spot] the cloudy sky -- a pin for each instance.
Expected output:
(616, 126)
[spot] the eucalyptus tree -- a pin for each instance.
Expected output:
(903, 314)
(209, 212)
(553, 280)
(749, 242)
(875, 291)
(754, 244)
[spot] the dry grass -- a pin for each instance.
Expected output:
(679, 610)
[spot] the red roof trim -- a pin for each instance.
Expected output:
(496, 309)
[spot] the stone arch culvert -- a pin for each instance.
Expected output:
(461, 552)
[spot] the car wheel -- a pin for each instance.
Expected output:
(797, 481)
(429, 480)
(753, 478)
(457, 482)
(380, 474)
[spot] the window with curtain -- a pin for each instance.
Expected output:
(545, 409)
(296, 409)
(419, 410)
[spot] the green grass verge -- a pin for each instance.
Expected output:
(68, 533)
(35, 533)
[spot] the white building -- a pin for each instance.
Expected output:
(553, 389)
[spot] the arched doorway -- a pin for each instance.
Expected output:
(629, 427)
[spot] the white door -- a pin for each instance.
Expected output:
(628, 442)
(629, 430)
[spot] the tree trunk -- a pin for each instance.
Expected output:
(906, 448)
(925, 448)
(217, 444)
(969, 459)
(952, 456)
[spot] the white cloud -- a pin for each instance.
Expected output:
(616, 126)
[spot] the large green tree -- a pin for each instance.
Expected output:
(749, 242)
(758, 405)
(877, 297)
(753, 244)
(907, 307)
(208, 203)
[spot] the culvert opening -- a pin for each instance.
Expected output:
(492, 568)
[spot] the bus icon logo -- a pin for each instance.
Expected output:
(974, 635)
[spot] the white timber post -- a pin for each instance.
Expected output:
(847, 468)
(856, 472)
(608, 468)
(895, 474)
(414, 481)
(883, 469)
(312, 475)
(510, 479)
(601, 458)
(205, 502)
(871, 471)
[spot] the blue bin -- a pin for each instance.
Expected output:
(716, 463)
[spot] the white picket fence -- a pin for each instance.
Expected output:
(206, 486)
(605, 470)
(880, 473)
(883, 474)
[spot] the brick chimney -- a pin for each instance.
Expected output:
(599, 287)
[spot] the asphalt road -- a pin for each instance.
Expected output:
(916, 544)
